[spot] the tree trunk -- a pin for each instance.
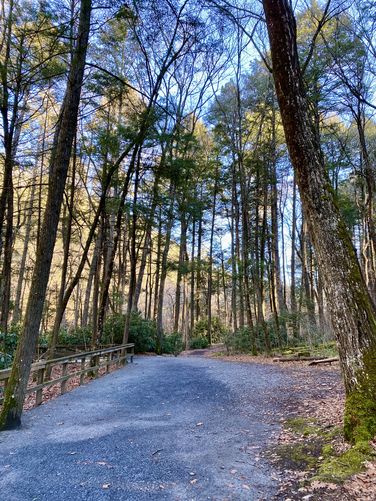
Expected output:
(182, 252)
(162, 279)
(352, 310)
(60, 156)
(234, 268)
(133, 254)
(277, 282)
(66, 234)
(92, 271)
(210, 272)
(192, 291)
(147, 245)
(199, 264)
(7, 264)
(21, 275)
(158, 264)
(293, 306)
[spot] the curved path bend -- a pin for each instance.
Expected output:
(163, 428)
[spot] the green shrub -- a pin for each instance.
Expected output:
(172, 343)
(6, 360)
(198, 343)
(241, 341)
(9, 341)
(8, 344)
(75, 337)
(43, 341)
(217, 329)
(141, 331)
(113, 329)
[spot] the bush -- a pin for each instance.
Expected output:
(8, 344)
(141, 331)
(172, 344)
(75, 337)
(9, 341)
(6, 360)
(197, 343)
(113, 329)
(217, 329)
(242, 341)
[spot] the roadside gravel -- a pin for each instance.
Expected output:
(163, 428)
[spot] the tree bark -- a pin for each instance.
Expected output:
(21, 276)
(210, 271)
(182, 252)
(162, 280)
(352, 310)
(293, 305)
(60, 156)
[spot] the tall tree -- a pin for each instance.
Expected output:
(352, 310)
(60, 156)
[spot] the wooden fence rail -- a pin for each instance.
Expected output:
(90, 362)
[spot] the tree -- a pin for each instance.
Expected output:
(352, 310)
(59, 163)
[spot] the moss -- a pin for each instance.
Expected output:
(332, 433)
(304, 353)
(319, 454)
(327, 450)
(360, 406)
(299, 456)
(327, 349)
(360, 417)
(339, 468)
(218, 354)
(303, 426)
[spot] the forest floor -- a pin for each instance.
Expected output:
(311, 433)
(186, 428)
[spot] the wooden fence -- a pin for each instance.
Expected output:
(89, 362)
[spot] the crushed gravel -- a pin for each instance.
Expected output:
(164, 428)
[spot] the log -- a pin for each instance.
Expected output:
(297, 359)
(324, 361)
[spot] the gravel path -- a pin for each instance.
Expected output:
(185, 428)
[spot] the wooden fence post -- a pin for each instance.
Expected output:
(96, 362)
(40, 380)
(63, 385)
(82, 375)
